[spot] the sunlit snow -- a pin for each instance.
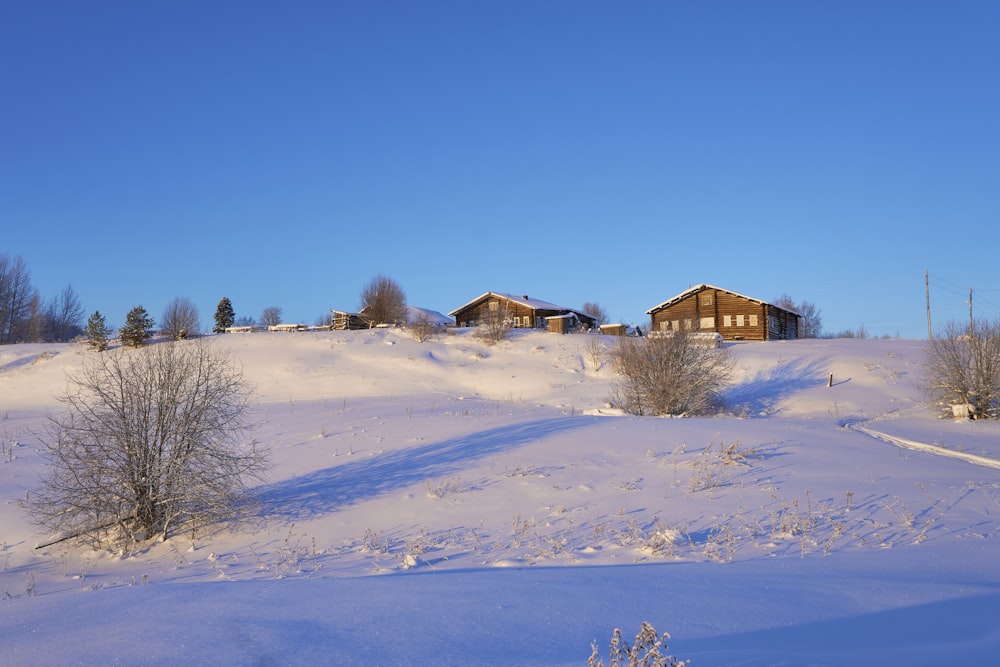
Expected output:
(452, 502)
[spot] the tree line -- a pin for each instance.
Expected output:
(25, 317)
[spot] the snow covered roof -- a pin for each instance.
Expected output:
(705, 286)
(414, 313)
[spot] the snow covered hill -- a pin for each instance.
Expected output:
(452, 502)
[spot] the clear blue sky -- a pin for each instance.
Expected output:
(284, 153)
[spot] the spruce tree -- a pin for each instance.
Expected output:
(138, 327)
(97, 332)
(224, 315)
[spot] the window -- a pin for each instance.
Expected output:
(687, 325)
(517, 321)
(707, 323)
(706, 299)
(494, 306)
(664, 326)
(753, 320)
(675, 325)
(727, 320)
(739, 320)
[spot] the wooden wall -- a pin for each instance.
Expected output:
(733, 316)
(524, 315)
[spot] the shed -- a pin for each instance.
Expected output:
(617, 329)
(344, 321)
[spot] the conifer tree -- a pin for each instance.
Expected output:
(225, 316)
(97, 332)
(138, 327)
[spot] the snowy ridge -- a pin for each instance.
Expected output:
(453, 495)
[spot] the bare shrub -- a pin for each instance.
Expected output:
(422, 329)
(717, 464)
(668, 375)
(151, 440)
(495, 321)
(596, 350)
(647, 650)
(963, 368)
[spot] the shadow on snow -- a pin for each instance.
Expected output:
(330, 489)
(760, 393)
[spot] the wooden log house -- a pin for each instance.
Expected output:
(707, 308)
(521, 312)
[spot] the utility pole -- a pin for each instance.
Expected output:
(927, 291)
(970, 311)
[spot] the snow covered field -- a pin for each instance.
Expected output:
(453, 503)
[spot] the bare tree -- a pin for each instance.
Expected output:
(810, 321)
(36, 327)
(495, 321)
(16, 295)
(271, 316)
(963, 368)
(383, 301)
(668, 375)
(325, 320)
(595, 310)
(180, 319)
(151, 441)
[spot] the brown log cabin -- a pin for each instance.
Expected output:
(522, 312)
(733, 315)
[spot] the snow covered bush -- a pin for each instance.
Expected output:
(668, 375)
(646, 651)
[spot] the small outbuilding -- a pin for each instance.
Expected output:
(344, 321)
(616, 329)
